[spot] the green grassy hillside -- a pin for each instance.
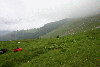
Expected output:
(81, 49)
(76, 26)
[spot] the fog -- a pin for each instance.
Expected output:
(27, 14)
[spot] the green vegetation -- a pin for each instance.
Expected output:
(81, 49)
(34, 33)
(74, 44)
(75, 25)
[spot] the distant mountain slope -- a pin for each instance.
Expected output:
(35, 33)
(75, 26)
(17, 34)
(5, 32)
(63, 27)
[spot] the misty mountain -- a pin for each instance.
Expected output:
(4, 32)
(34, 33)
(77, 25)
(64, 27)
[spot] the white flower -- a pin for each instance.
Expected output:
(18, 42)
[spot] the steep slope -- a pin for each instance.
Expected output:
(75, 26)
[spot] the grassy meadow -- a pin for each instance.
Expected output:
(76, 50)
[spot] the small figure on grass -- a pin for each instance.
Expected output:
(17, 48)
(58, 36)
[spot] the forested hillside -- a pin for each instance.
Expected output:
(75, 26)
(34, 33)
(62, 27)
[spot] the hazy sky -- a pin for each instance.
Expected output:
(26, 14)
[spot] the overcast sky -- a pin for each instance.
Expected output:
(26, 14)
